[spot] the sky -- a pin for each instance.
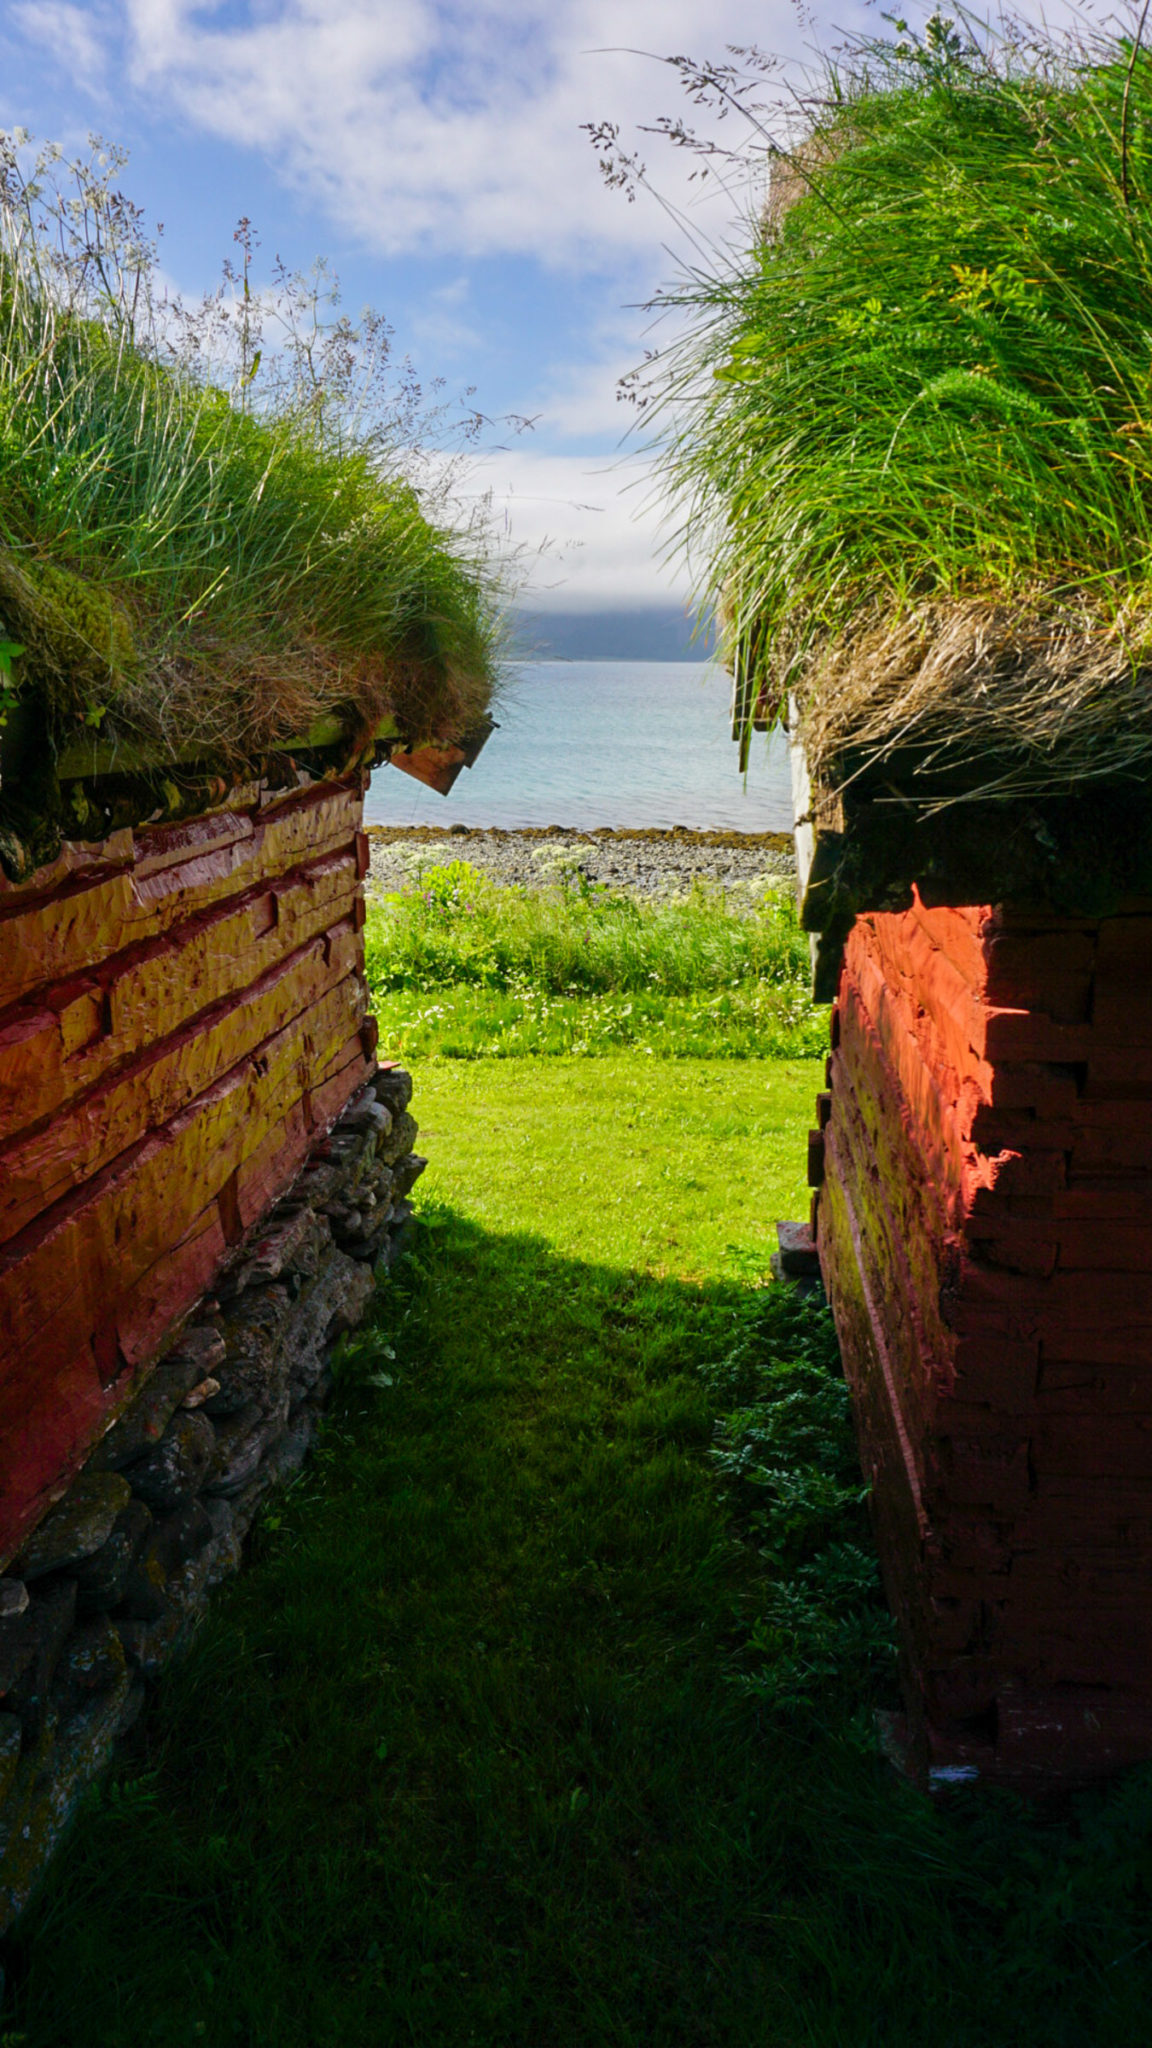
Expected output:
(433, 152)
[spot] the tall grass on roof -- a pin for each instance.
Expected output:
(206, 539)
(912, 421)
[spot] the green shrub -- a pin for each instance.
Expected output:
(786, 1450)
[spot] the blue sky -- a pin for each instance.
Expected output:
(433, 152)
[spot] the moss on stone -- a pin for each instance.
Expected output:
(48, 1784)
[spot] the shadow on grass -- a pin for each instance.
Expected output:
(458, 1759)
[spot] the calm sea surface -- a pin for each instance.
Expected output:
(589, 743)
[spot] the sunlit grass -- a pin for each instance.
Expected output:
(210, 552)
(460, 966)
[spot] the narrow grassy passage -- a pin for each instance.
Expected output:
(460, 1759)
(451, 1762)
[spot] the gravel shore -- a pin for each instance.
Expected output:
(642, 862)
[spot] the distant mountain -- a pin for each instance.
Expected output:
(649, 633)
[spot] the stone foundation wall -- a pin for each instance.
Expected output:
(111, 1582)
(984, 1226)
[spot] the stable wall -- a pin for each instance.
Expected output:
(182, 1014)
(984, 1225)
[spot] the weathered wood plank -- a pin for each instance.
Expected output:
(66, 933)
(938, 1105)
(60, 1277)
(353, 1066)
(298, 831)
(83, 1137)
(227, 948)
(78, 863)
(959, 931)
(182, 1010)
(148, 992)
(1006, 1059)
(915, 1197)
(45, 1441)
(49, 1432)
(949, 1020)
(895, 1502)
(63, 935)
(914, 1366)
(264, 1174)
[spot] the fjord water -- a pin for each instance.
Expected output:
(623, 743)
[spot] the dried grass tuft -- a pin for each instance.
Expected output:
(1013, 702)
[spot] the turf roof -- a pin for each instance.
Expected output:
(207, 558)
(913, 423)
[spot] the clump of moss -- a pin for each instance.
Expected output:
(79, 647)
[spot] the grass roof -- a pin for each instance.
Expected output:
(913, 423)
(207, 543)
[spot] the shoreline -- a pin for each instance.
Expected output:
(780, 842)
(643, 860)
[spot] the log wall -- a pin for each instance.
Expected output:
(182, 1013)
(984, 1223)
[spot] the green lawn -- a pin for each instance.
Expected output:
(463, 968)
(639, 1165)
(534, 1719)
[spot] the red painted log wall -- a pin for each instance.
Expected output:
(985, 1232)
(182, 1008)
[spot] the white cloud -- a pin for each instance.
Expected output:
(581, 401)
(587, 529)
(416, 123)
(444, 323)
(80, 38)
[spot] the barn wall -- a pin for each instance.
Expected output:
(985, 1230)
(203, 1172)
(182, 1012)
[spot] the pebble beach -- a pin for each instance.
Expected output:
(644, 862)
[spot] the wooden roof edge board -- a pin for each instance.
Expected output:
(803, 827)
(98, 784)
(804, 839)
(437, 763)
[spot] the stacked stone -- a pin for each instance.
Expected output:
(985, 1232)
(116, 1576)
